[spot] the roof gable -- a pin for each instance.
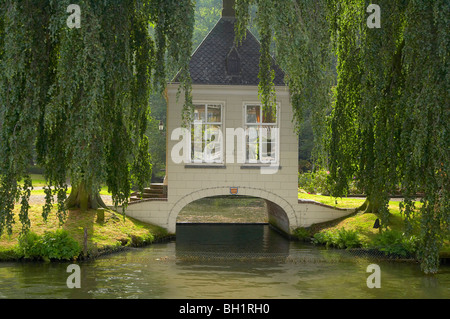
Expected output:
(217, 61)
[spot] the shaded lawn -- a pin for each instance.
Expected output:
(363, 223)
(344, 202)
(349, 202)
(101, 235)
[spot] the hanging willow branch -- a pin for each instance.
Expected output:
(387, 127)
(79, 97)
(299, 32)
(384, 124)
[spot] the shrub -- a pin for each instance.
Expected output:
(59, 245)
(29, 246)
(318, 183)
(326, 238)
(353, 188)
(348, 239)
(315, 182)
(395, 243)
(302, 233)
(305, 182)
(342, 238)
(304, 166)
(56, 245)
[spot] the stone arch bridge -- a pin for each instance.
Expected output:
(283, 214)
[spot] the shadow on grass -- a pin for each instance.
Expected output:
(76, 223)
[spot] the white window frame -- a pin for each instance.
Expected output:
(260, 125)
(221, 125)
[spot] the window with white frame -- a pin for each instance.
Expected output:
(262, 135)
(206, 133)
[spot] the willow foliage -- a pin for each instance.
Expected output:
(79, 96)
(390, 118)
(299, 31)
(389, 123)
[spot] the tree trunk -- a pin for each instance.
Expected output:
(373, 206)
(370, 206)
(81, 198)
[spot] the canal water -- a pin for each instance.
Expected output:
(225, 262)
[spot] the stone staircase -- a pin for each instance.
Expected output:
(155, 192)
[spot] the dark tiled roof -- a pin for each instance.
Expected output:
(209, 62)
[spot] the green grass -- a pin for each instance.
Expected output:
(39, 181)
(362, 223)
(346, 202)
(109, 234)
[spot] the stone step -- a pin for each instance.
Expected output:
(153, 195)
(135, 199)
(152, 191)
(155, 191)
(145, 196)
(149, 191)
(157, 186)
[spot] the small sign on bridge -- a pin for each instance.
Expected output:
(234, 190)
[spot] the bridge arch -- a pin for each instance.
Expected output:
(281, 213)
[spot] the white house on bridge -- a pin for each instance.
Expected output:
(232, 147)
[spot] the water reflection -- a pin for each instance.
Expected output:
(206, 242)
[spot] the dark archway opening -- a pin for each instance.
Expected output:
(230, 227)
(235, 209)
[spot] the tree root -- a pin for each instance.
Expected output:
(81, 198)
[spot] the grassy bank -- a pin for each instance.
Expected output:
(357, 230)
(114, 233)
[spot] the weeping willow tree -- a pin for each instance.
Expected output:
(389, 127)
(389, 123)
(79, 96)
